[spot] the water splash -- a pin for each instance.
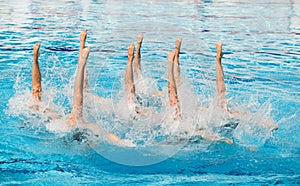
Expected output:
(255, 128)
(154, 131)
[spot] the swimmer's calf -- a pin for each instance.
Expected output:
(76, 113)
(36, 74)
(137, 61)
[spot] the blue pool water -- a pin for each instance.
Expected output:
(261, 63)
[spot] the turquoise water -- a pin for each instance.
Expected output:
(261, 64)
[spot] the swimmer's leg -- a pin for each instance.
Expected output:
(172, 89)
(137, 61)
(76, 114)
(37, 86)
(83, 35)
(221, 88)
(36, 74)
(176, 62)
(129, 85)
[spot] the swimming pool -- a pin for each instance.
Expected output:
(261, 63)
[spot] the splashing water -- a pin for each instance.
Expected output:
(255, 128)
(153, 131)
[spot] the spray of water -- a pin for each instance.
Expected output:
(152, 132)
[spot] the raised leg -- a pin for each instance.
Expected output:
(137, 61)
(76, 114)
(221, 88)
(129, 85)
(176, 62)
(172, 89)
(83, 35)
(36, 74)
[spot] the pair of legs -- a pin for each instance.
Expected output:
(220, 84)
(174, 77)
(221, 88)
(129, 83)
(81, 82)
(76, 113)
(83, 35)
(36, 75)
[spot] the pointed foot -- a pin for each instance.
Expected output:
(140, 38)
(131, 50)
(83, 35)
(219, 49)
(178, 43)
(36, 48)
